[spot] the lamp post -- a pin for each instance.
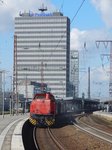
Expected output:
(26, 88)
(62, 84)
(3, 90)
(26, 91)
(11, 96)
(3, 72)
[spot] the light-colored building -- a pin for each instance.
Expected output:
(42, 50)
(74, 73)
(29, 89)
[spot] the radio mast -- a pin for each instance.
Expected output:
(42, 9)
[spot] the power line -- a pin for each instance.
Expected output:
(77, 11)
(71, 22)
(61, 8)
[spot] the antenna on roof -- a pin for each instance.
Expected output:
(42, 9)
(61, 8)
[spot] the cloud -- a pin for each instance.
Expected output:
(11, 8)
(85, 41)
(105, 8)
(99, 83)
(76, 38)
(90, 56)
(100, 74)
(79, 37)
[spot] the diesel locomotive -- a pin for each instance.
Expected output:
(43, 109)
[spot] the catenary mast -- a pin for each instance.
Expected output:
(105, 43)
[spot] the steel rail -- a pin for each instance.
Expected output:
(34, 138)
(94, 131)
(55, 140)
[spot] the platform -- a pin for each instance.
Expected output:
(10, 131)
(106, 115)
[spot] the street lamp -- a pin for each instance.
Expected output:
(3, 90)
(26, 88)
(11, 96)
(26, 91)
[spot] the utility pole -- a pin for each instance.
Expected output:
(105, 43)
(3, 90)
(15, 82)
(89, 83)
(42, 76)
(42, 68)
(3, 72)
(11, 97)
(26, 91)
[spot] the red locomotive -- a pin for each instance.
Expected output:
(43, 109)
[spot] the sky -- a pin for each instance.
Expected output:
(92, 22)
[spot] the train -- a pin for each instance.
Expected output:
(45, 108)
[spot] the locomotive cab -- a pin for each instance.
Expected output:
(43, 108)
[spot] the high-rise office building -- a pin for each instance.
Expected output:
(74, 73)
(42, 50)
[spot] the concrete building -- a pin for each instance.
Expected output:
(30, 89)
(74, 73)
(42, 50)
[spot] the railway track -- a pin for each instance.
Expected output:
(98, 123)
(54, 138)
(47, 140)
(93, 130)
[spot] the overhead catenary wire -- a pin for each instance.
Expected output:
(76, 13)
(61, 8)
